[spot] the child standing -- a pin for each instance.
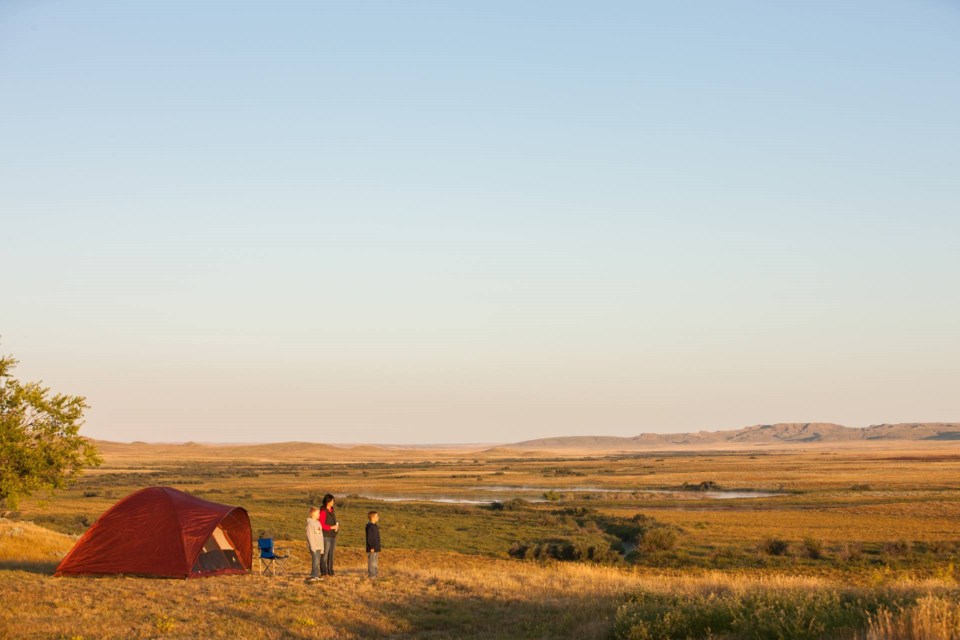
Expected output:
(314, 543)
(373, 543)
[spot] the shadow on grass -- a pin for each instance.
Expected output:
(488, 617)
(272, 618)
(43, 568)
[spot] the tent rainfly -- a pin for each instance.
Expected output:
(160, 531)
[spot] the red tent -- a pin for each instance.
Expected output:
(160, 531)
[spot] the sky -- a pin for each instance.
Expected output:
(433, 222)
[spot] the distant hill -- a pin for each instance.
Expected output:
(137, 452)
(788, 433)
(780, 433)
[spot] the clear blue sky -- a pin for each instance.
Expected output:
(487, 221)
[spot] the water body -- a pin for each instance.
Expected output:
(714, 494)
(523, 492)
(437, 499)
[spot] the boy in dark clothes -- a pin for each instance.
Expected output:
(373, 543)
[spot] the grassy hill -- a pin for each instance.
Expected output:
(137, 452)
(26, 546)
(789, 433)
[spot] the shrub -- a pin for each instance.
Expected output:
(895, 548)
(850, 551)
(706, 485)
(658, 539)
(775, 546)
(516, 504)
(583, 547)
(812, 548)
(565, 471)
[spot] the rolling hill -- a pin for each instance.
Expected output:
(780, 433)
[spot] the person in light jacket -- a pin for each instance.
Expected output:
(314, 543)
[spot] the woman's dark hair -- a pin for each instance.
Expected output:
(327, 499)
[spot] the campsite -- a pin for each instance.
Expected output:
(576, 548)
(479, 320)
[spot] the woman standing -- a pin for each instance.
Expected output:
(330, 526)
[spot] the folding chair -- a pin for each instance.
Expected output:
(270, 562)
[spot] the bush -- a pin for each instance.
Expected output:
(812, 548)
(583, 547)
(658, 539)
(850, 551)
(516, 504)
(706, 485)
(775, 546)
(896, 548)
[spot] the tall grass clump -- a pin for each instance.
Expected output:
(757, 614)
(931, 618)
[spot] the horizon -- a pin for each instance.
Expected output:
(435, 224)
(486, 444)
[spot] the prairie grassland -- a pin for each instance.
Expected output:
(872, 530)
(426, 593)
(422, 594)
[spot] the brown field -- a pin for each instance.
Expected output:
(882, 517)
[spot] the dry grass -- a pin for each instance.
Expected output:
(421, 593)
(471, 589)
(25, 546)
(931, 618)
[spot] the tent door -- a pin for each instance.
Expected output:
(218, 553)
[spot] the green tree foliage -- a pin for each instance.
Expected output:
(40, 445)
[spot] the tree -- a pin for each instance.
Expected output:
(40, 445)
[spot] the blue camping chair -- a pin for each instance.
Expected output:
(270, 562)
